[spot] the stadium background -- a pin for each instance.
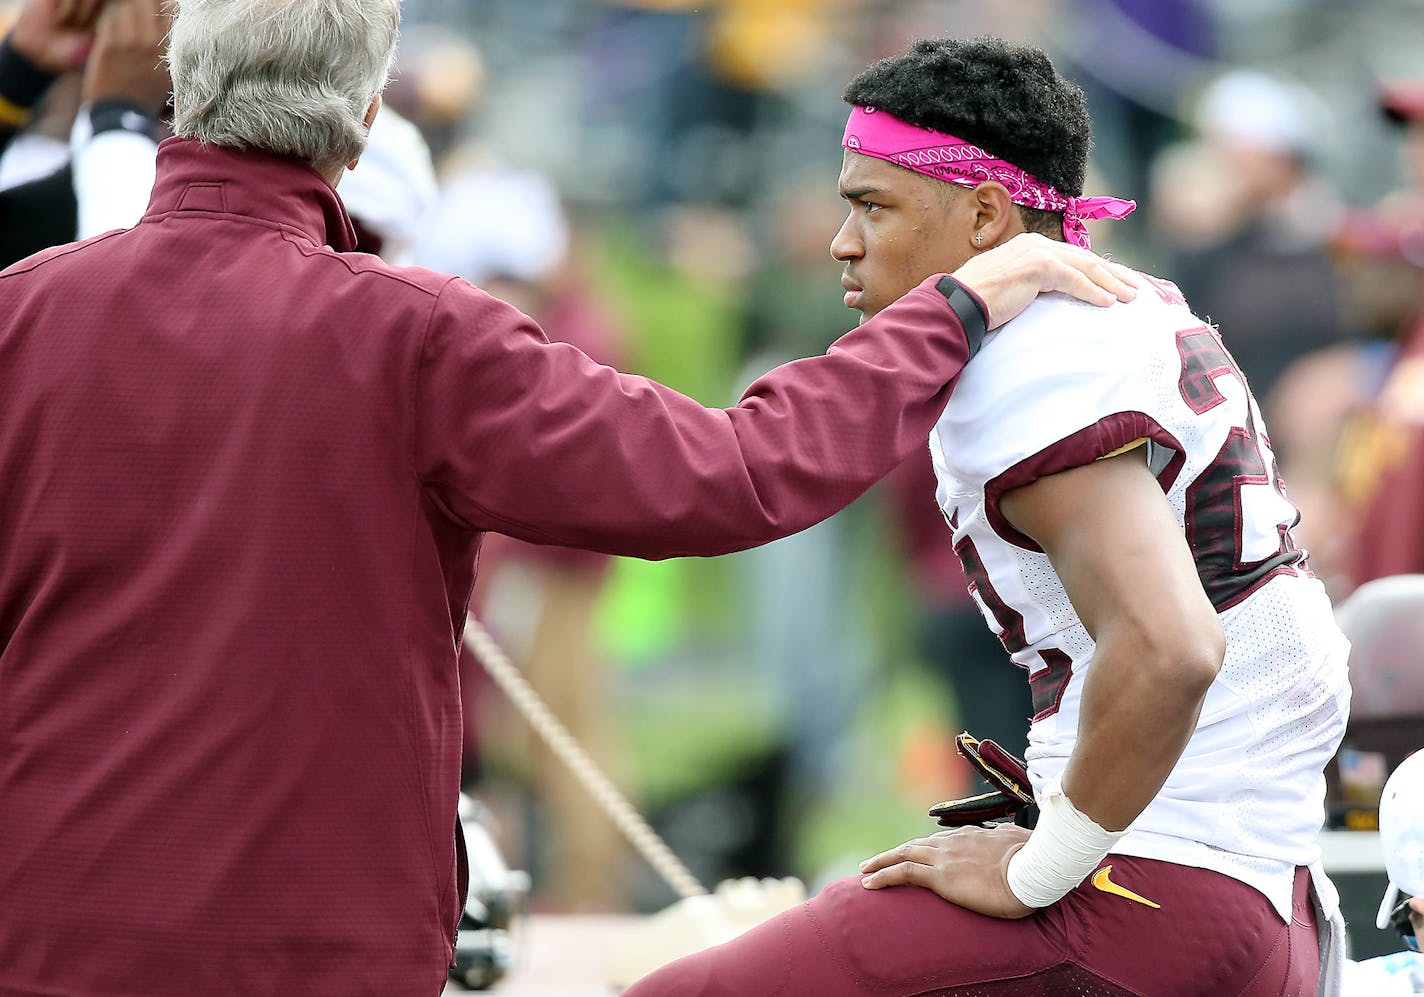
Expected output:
(773, 711)
(655, 181)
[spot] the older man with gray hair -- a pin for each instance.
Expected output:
(244, 476)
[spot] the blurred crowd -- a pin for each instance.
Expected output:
(655, 182)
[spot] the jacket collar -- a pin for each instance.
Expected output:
(194, 176)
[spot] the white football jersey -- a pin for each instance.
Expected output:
(1065, 384)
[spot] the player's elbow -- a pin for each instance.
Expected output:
(1188, 657)
(1178, 656)
(1204, 654)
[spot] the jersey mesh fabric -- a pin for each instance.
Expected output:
(1066, 384)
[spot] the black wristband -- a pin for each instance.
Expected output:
(22, 83)
(121, 115)
(971, 311)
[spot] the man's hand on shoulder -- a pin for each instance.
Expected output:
(1009, 276)
(967, 866)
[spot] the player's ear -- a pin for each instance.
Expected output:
(995, 218)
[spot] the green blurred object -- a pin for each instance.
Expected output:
(871, 810)
(696, 725)
(682, 331)
(637, 619)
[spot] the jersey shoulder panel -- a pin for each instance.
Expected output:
(1063, 370)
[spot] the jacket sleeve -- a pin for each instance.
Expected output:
(533, 439)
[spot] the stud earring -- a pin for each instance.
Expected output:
(978, 238)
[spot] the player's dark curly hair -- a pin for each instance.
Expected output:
(1006, 99)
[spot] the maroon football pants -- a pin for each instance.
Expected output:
(1211, 937)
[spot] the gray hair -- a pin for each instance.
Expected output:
(291, 77)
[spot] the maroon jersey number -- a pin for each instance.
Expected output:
(1047, 684)
(1008, 620)
(1214, 510)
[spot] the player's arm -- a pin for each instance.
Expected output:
(588, 457)
(1122, 558)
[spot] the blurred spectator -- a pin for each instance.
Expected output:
(506, 231)
(437, 85)
(1260, 268)
(108, 180)
(545, 599)
(801, 598)
(992, 700)
(42, 146)
(1381, 470)
(1402, 102)
(490, 221)
(46, 41)
(392, 190)
(1384, 622)
(115, 139)
(105, 184)
(699, 90)
(1134, 60)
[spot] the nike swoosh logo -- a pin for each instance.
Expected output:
(1102, 882)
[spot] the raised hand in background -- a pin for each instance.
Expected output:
(56, 35)
(127, 61)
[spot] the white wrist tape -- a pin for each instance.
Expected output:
(1064, 847)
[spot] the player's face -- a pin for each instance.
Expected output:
(902, 228)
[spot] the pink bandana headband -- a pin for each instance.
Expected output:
(944, 157)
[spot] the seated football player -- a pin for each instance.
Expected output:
(1109, 485)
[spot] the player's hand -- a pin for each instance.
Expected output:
(1011, 275)
(127, 63)
(967, 866)
(56, 35)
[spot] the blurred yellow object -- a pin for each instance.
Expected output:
(760, 45)
(452, 78)
(446, 73)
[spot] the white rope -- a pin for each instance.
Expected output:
(613, 803)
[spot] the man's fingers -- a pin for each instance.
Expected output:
(1080, 284)
(920, 850)
(137, 19)
(159, 21)
(127, 25)
(148, 22)
(141, 22)
(65, 12)
(900, 874)
(109, 31)
(1126, 274)
(79, 15)
(1076, 268)
(1120, 280)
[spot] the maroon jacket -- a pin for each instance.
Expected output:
(243, 482)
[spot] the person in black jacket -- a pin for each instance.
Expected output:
(125, 89)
